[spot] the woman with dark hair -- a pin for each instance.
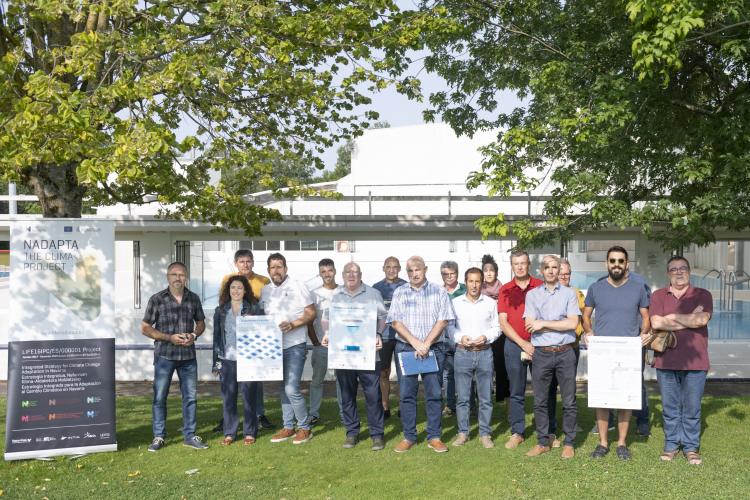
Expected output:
(491, 288)
(236, 298)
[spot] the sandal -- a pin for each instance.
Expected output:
(599, 452)
(693, 458)
(623, 453)
(668, 456)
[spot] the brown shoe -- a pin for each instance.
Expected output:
(554, 442)
(486, 441)
(249, 440)
(283, 435)
(303, 436)
(537, 450)
(693, 458)
(227, 441)
(668, 456)
(403, 446)
(568, 452)
(437, 445)
(461, 439)
(514, 441)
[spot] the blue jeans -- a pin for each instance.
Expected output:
(370, 381)
(319, 362)
(187, 372)
(293, 403)
(449, 381)
(552, 404)
(470, 364)
(260, 407)
(229, 390)
(432, 383)
(517, 379)
(681, 394)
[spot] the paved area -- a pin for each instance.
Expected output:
(271, 389)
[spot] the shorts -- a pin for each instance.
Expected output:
(387, 353)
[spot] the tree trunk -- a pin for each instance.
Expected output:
(58, 190)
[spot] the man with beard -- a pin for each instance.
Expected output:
(293, 303)
(618, 302)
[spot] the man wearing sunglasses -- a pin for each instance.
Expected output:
(618, 303)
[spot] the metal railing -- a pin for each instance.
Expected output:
(721, 274)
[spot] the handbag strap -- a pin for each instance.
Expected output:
(653, 360)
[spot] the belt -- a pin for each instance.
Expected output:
(556, 349)
(474, 348)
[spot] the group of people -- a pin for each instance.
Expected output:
(483, 335)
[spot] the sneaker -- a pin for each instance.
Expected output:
(219, 427)
(195, 442)
(386, 414)
(461, 439)
(156, 444)
(303, 436)
(350, 442)
(553, 441)
(537, 450)
(643, 430)
(474, 413)
(595, 430)
(313, 421)
(264, 423)
(447, 412)
(437, 445)
(486, 441)
(378, 444)
(404, 446)
(567, 452)
(514, 441)
(283, 435)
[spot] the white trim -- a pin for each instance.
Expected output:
(79, 450)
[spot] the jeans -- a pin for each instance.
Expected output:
(370, 380)
(449, 381)
(517, 378)
(432, 383)
(319, 362)
(681, 394)
(470, 364)
(187, 372)
(293, 403)
(229, 386)
(553, 395)
(260, 407)
(560, 365)
(641, 416)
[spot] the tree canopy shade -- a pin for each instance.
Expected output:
(640, 106)
(91, 93)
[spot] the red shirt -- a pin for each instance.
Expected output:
(512, 301)
(691, 352)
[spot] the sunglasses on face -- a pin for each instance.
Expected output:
(617, 261)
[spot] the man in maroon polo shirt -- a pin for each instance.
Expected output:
(681, 371)
(510, 307)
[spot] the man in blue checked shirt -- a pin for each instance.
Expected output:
(419, 313)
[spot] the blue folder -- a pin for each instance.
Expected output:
(412, 366)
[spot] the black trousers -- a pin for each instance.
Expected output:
(502, 386)
(562, 365)
(370, 380)
(229, 386)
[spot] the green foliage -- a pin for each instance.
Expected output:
(641, 107)
(91, 94)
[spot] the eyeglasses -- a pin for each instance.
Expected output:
(618, 261)
(565, 275)
(175, 275)
(448, 275)
(682, 269)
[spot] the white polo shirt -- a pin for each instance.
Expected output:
(287, 301)
(474, 319)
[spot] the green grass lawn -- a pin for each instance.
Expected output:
(323, 469)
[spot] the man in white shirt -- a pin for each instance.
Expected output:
(357, 293)
(477, 325)
(290, 301)
(319, 361)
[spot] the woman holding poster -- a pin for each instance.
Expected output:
(236, 299)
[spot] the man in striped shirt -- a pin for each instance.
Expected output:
(419, 313)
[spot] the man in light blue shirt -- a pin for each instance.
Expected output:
(551, 316)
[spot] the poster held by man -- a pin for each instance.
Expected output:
(352, 336)
(61, 350)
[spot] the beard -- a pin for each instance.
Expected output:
(616, 273)
(277, 280)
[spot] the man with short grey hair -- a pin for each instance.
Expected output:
(449, 273)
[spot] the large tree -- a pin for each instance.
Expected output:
(92, 94)
(636, 111)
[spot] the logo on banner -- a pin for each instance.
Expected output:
(89, 435)
(41, 440)
(20, 441)
(51, 416)
(68, 229)
(104, 435)
(27, 404)
(93, 400)
(92, 414)
(24, 418)
(51, 402)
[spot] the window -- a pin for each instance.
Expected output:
(273, 246)
(259, 245)
(309, 245)
(291, 246)
(325, 245)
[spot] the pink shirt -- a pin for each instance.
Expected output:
(691, 352)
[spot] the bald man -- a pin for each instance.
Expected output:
(356, 292)
(386, 287)
(419, 313)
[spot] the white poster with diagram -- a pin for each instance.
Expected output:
(260, 353)
(614, 372)
(351, 336)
